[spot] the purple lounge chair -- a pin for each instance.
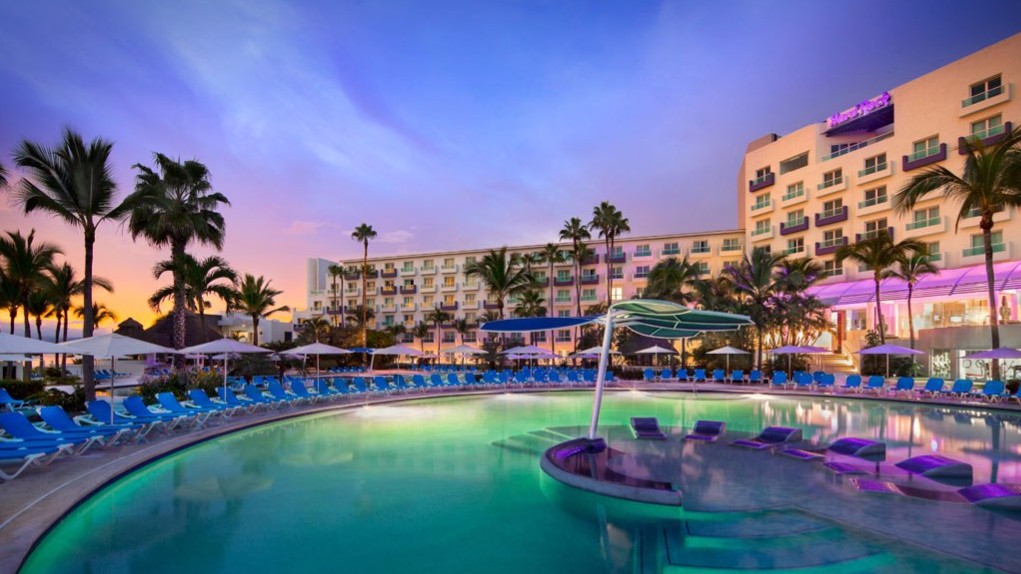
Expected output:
(647, 428)
(707, 431)
(770, 437)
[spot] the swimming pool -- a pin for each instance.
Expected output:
(453, 485)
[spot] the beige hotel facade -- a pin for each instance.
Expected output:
(805, 194)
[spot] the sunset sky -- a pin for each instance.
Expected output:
(446, 125)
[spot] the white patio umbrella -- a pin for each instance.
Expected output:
(595, 351)
(888, 350)
(317, 349)
(728, 351)
(226, 347)
(15, 344)
(394, 350)
(655, 350)
(111, 347)
(464, 351)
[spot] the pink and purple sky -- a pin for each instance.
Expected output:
(446, 124)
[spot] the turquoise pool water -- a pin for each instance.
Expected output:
(453, 485)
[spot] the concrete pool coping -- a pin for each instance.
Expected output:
(33, 504)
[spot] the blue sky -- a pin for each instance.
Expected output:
(452, 124)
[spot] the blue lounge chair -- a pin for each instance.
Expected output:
(737, 376)
(253, 394)
(826, 381)
(647, 428)
(936, 466)
(19, 427)
(299, 389)
(779, 379)
(719, 376)
(754, 377)
(199, 398)
(851, 383)
(170, 404)
(770, 437)
(649, 375)
(876, 383)
(325, 391)
(664, 375)
(57, 419)
(1006, 496)
(960, 389)
(100, 412)
(933, 387)
(381, 385)
(26, 456)
(804, 381)
(137, 408)
(232, 400)
(681, 375)
(453, 381)
(993, 391)
(904, 385)
(418, 381)
(699, 376)
(707, 431)
(277, 391)
(8, 401)
(471, 381)
(359, 385)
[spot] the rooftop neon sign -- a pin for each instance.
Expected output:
(863, 109)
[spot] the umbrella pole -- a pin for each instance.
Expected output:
(113, 375)
(601, 376)
(225, 375)
(888, 365)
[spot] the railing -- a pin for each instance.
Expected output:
(761, 182)
(761, 230)
(988, 132)
(923, 223)
(755, 207)
(856, 146)
(990, 93)
(646, 253)
(793, 250)
(410, 290)
(617, 257)
(874, 169)
(677, 251)
(590, 279)
(731, 247)
(835, 242)
(563, 281)
(830, 183)
(975, 251)
(870, 202)
(762, 179)
(388, 273)
(922, 154)
(831, 212)
(799, 192)
(705, 249)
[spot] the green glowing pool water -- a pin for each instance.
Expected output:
(453, 485)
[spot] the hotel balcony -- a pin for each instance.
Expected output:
(873, 206)
(469, 305)
(988, 137)
(925, 227)
(427, 270)
(450, 268)
(388, 290)
(407, 271)
(831, 186)
(924, 158)
(472, 285)
(762, 234)
(857, 146)
(985, 100)
(787, 229)
(761, 207)
(559, 301)
(559, 282)
(870, 174)
(869, 234)
(617, 257)
(490, 306)
(448, 287)
(590, 279)
(831, 217)
(542, 281)
(827, 247)
(592, 259)
(732, 248)
(407, 307)
(448, 307)
(641, 254)
(388, 273)
(410, 290)
(793, 198)
(387, 308)
(427, 289)
(972, 255)
(761, 182)
(700, 252)
(639, 276)
(975, 220)
(352, 276)
(350, 291)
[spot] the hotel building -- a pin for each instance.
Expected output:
(804, 194)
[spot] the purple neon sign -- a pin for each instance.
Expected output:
(862, 109)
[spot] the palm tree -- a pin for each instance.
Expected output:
(531, 305)
(364, 233)
(909, 270)
(254, 297)
(25, 265)
(315, 329)
(65, 286)
(437, 316)
(610, 223)
(176, 205)
(552, 255)
(420, 331)
(357, 314)
(577, 233)
(990, 182)
(397, 330)
(754, 280)
(335, 272)
(669, 279)
(100, 311)
(796, 275)
(502, 274)
(39, 305)
(201, 278)
(879, 253)
(9, 296)
(3, 176)
(463, 327)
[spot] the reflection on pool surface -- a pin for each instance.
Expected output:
(453, 485)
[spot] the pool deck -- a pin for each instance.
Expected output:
(32, 504)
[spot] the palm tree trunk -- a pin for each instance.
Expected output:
(88, 321)
(994, 325)
(758, 335)
(180, 299)
(911, 318)
(549, 304)
(438, 333)
(13, 311)
(25, 318)
(577, 291)
(880, 326)
(365, 271)
(39, 327)
(255, 329)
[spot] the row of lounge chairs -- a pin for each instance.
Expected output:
(992, 391)
(702, 376)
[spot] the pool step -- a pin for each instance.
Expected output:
(534, 442)
(756, 525)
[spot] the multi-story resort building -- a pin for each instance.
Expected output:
(804, 194)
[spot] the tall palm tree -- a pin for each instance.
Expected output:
(990, 182)
(398, 330)
(575, 231)
(9, 296)
(909, 270)
(39, 305)
(357, 314)
(66, 285)
(74, 183)
(201, 279)
(531, 305)
(315, 329)
(463, 327)
(3, 176)
(26, 265)
(502, 274)
(336, 271)
(420, 331)
(363, 233)
(254, 297)
(610, 223)
(797, 274)
(437, 316)
(552, 255)
(176, 206)
(754, 279)
(670, 278)
(100, 311)
(879, 253)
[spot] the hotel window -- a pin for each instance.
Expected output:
(540, 336)
(617, 251)
(832, 269)
(563, 275)
(588, 294)
(762, 173)
(874, 164)
(832, 237)
(700, 246)
(352, 286)
(761, 202)
(978, 246)
(874, 196)
(797, 162)
(448, 263)
(409, 283)
(469, 298)
(563, 296)
(762, 226)
(618, 293)
(564, 336)
(831, 178)
(388, 320)
(388, 284)
(470, 337)
(924, 218)
(643, 250)
(794, 190)
(428, 282)
(469, 259)
(388, 267)
(408, 301)
(983, 90)
(448, 299)
(976, 212)
(564, 313)
(387, 301)
(639, 291)
(428, 301)
(924, 148)
(932, 249)
(540, 277)
(875, 227)
(408, 266)
(449, 336)
(430, 337)
(641, 271)
(448, 281)
(370, 286)
(796, 217)
(674, 248)
(795, 246)
(988, 127)
(588, 274)
(370, 302)
(617, 272)
(470, 317)
(731, 244)
(702, 267)
(427, 264)
(831, 208)
(409, 319)
(352, 302)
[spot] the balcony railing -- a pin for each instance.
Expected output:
(728, 247)
(448, 306)
(702, 250)
(829, 246)
(989, 136)
(830, 183)
(793, 194)
(388, 273)
(793, 226)
(831, 216)
(448, 287)
(407, 270)
(563, 281)
(590, 279)
(873, 169)
(677, 251)
(617, 257)
(449, 268)
(856, 146)
(981, 250)
(762, 230)
(990, 93)
(646, 253)
(874, 201)
(755, 207)
(793, 250)
(923, 223)
(924, 158)
(490, 306)
(761, 182)
(387, 290)
(870, 234)
(409, 290)
(591, 259)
